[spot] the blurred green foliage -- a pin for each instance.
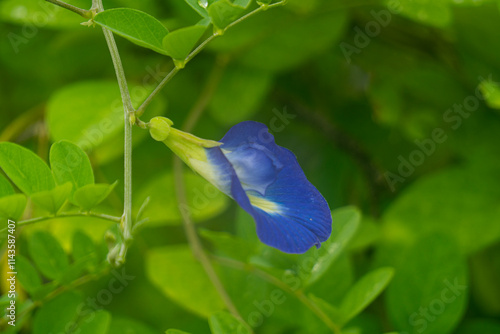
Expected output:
(391, 107)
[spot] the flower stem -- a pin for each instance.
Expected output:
(65, 215)
(129, 120)
(82, 12)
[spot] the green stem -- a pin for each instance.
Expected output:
(82, 12)
(129, 119)
(198, 49)
(190, 229)
(299, 294)
(65, 215)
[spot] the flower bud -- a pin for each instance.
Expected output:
(159, 128)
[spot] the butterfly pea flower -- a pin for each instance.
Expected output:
(263, 178)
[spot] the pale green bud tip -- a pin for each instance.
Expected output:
(159, 128)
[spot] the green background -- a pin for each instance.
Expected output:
(391, 107)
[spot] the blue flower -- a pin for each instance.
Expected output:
(263, 178)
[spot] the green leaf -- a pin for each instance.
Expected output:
(12, 206)
(27, 170)
(175, 331)
(52, 200)
(229, 245)
(5, 187)
(96, 323)
(168, 268)
(55, 315)
(89, 196)
(47, 254)
(27, 274)
(345, 223)
(96, 113)
(136, 26)
(364, 292)
(84, 249)
(429, 289)
(224, 12)
(455, 202)
(69, 163)
(179, 43)
(331, 311)
(195, 4)
(204, 201)
(239, 94)
(491, 92)
(224, 323)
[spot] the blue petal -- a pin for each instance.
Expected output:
(255, 166)
(290, 213)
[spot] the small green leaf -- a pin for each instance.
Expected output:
(364, 292)
(491, 93)
(178, 263)
(69, 163)
(27, 170)
(52, 200)
(96, 323)
(225, 323)
(12, 206)
(89, 196)
(47, 254)
(55, 315)
(27, 274)
(5, 187)
(345, 223)
(179, 43)
(224, 12)
(136, 26)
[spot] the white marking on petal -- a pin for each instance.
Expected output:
(264, 204)
(211, 174)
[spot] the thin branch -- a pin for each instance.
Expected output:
(299, 294)
(190, 229)
(198, 49)
(82, 12)
(65, 215)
